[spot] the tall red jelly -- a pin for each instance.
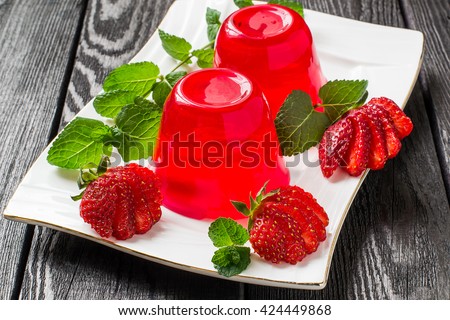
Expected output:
(217, 143)
(273, 46)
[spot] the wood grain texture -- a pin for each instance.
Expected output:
(394, 242)
(433, 19)
(61, 266)
(35, 48)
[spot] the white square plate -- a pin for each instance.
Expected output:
(389, 58)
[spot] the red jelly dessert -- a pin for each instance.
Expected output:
(273, 46)
(217, 143)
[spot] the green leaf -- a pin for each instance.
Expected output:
(205, 57)
(227, 232)
(241, 207)
(340, 96)
(173, 77)
(137, 130)
(243, 3)
(109, 104)
(162, 89)
(137, 77)
(299, 126)
(178, 48)
(160, 92)
(292, 4)
(231, 261)
(213, 23)
(79, 143)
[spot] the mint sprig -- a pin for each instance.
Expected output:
(292, 4)
(232, 257)
(213, 23)
(227, 232)
(80, 142)
(243, 3)
(300, 125)
(180, 49)
(231, 261)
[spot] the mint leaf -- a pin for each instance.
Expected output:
(340, 96)
(227, 232)
(178, 48)
(204, 57)
(299, 126)
(162, 89)
(173, 77)
(137, 77)
(232, 260)
(292, 4)
(243, 3)
(109, 104)
(213, 23)
(137, 129)
(160, 92)
(79, 143)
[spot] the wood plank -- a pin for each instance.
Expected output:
(35, 50)
(62, 266)
(431, 18)
(393, 244)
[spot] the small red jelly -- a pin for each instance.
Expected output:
(273, 46)
(217, 143)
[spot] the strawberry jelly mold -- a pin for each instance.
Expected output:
(217, 143)
(273, 46)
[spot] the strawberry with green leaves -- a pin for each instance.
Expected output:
(284, 225)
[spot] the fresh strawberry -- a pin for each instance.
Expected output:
(308, 232)
(121, 202)
(284, 224)
(357, 157)
(402, 122)
(294, 192)
(393, 142)
(334, 145)
(378, 153)
(148, 198)
(276, 236)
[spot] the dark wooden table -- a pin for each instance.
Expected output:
(54, 56)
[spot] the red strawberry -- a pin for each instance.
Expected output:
(402, 123)
(294, 192)
(275, 235)
(378, 153)
(308, 232)
(393, 142)
(121, 202)
(148, 198)
(357, 157)
(334, 145)
(283, 224)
